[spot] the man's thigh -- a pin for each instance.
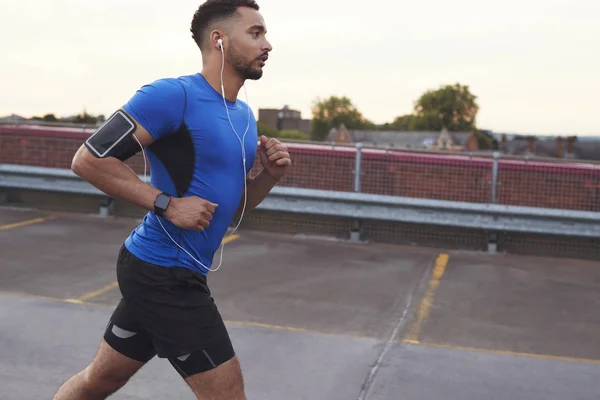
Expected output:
(224, 382)
(111, 367)
(125, 335)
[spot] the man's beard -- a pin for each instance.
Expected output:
(242, 66)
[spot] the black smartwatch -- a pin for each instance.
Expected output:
(161, 203)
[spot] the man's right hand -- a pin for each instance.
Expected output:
(190, 212)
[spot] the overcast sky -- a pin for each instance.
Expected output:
(534, 64)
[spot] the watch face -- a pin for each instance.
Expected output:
(162, 201)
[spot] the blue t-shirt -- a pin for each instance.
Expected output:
(195, 153)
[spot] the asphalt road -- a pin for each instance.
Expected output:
(312, 318)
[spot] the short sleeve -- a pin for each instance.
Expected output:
(158, 106)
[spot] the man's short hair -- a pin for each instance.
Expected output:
(213, 11)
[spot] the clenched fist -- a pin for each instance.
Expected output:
(190, 212)
(274, 157)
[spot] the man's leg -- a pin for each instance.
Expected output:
(123, 350)
(224, 382)
(106, 374)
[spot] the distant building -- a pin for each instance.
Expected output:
(11, 119)
(284, 119)
(569, 147)
(407, 140)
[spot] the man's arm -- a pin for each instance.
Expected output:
(114, 177)
(258, 188)
(275, 160)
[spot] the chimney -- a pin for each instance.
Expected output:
(570, 144)
(559, 147)
(503, 143)
(532, 145)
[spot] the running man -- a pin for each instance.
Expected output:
(193, 129)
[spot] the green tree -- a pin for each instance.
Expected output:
(401, 123)
(291, 134)
(452, 106)
(485, 141)
(85, 118)
(50, 118)
(264, 129)
(428, 121)
(333, 111)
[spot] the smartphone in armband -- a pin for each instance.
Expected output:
(108, 135)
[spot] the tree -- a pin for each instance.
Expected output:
(485, 140)
(427, 121)
(264, 129)
(85, 118)
(401, 123)
(450, 106)
(333, 111)
(291, 134)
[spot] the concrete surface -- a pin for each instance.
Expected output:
(521, 304)
(418, 373)
(47, 341)
(313, 318)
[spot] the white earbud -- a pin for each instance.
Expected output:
(220, 41)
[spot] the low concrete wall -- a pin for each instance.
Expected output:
(340, 228)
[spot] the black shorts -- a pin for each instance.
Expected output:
(167, 312)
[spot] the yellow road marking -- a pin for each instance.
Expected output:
(37, 296)
(505, 352)
(25, 223)
(229, 322)
(114, 285)
(293, 329)
(425, 306)
(230, 238)
(95, 293)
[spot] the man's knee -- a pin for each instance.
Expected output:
(103, 382)
(231, 382)
(223, 382)
(109, 371)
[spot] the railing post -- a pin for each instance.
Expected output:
(492, 237)
(357, 167)
(494, 198)
(107, 207)
(355, 232)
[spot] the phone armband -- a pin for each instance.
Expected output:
(114, 138)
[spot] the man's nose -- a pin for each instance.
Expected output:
(268, 46)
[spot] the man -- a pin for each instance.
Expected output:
(193, 134)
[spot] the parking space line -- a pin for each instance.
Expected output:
(114, 285)
(95, 293)
(425, 306)
(294, 329)
(25, 223)
(230, 238)
(48, 298)
(227, 322)
(506, 352)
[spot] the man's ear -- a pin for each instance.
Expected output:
(217, 39)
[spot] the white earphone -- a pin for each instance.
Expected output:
(220, 41)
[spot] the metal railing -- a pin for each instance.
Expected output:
(487, 191)
(354, 205)
(475, 178)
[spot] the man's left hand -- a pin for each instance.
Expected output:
(274, 157)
